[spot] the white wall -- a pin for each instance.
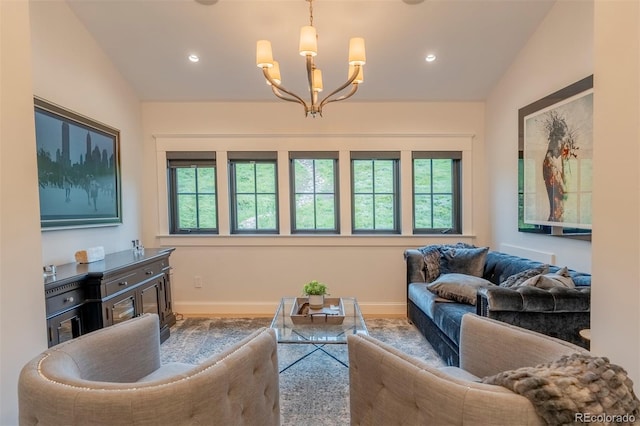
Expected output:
(559, 53)
(575, 40)
(69, 69)
(233, 267)
(47, 52)
(22, 316)
(615, 317)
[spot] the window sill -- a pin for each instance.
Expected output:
(309, 240)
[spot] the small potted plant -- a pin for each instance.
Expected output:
(316, 291)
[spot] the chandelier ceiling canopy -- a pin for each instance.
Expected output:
(309, 49)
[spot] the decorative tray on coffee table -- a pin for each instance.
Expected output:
(331, 313)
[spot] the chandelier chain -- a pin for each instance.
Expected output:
(310, 12)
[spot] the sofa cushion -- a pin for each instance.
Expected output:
(517, 279)
(561, 278)
(469, 261)
(448, 318)
(462, 288)
(169, 370)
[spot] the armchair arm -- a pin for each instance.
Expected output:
(559, 312)
(533, 299)
(483, 342)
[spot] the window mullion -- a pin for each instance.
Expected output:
(431, 200)
(255, 194)
(314, 194)
(197, 197)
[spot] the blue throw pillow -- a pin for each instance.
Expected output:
(468, 261)
(462, 288)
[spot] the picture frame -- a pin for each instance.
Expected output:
(78, 169)
(555, 152)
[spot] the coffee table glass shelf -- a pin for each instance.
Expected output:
(323, 329)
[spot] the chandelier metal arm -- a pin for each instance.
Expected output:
(310, 67)
(276, 92)
(278, 88)
(327, 99)
(353, 91)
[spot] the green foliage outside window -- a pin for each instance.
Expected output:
(195, 194)
(315, 206)
(375, 195)
(255, 196)
(433, 193)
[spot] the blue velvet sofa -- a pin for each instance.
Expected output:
(557, 312)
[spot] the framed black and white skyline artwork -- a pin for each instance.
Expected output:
(78, 169)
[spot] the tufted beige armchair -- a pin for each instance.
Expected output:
(388, 387)
(113, 376)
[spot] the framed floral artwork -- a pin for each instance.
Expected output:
(555, 160)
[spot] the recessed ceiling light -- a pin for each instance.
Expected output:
(194, 58)
(430, 57)
(412, 1)
(207, 2)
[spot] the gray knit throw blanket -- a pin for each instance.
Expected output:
(575, 389)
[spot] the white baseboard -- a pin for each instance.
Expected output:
(269, 308)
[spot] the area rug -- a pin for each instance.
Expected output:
(314, 391)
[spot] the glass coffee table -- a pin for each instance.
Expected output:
(319, 332)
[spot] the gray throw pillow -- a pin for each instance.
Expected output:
(517, 279)
(561, 278)
(458, 287)
(469, 261)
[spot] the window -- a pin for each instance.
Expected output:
(193, 204)
(375, 192)
(253, 192)
(314, 192)
(436, 192)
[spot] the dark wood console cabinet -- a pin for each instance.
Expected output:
(81, 298)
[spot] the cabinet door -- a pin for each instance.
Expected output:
(150, 298)
(122, 309)
(166, 302)
(64, 327)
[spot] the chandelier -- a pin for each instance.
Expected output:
(309, 49)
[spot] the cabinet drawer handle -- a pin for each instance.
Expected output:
(149, 272)
(123, 283)
(68, 300)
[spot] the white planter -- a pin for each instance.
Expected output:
(316, 301)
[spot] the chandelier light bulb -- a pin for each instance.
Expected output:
(274, 72)
(357, 54)
(317, 80)
(308, 41)
(264, 55)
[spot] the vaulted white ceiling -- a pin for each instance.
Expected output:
(149, 42)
